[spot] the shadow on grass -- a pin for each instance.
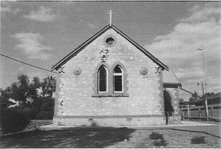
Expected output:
(71, 137)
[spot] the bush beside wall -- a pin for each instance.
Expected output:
(13, 120)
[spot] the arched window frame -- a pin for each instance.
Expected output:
(99, 79)
(110, 76)
(118, 74)
(96, 92)
(124, 80)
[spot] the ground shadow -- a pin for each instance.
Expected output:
(71, 137)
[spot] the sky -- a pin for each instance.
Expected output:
(42, 33)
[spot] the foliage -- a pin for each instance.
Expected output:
(14, 120)
(23, 89)
(32, 102)
(155, 136)
(45, 115)
(198, 140)
(208, 94)
(158, 139)
(160, 142)
(181, 100)
(46, 108)
(194, 97)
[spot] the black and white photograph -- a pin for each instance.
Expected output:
(110, 74)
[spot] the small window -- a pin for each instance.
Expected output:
(118, 79)
(110, 41)
(102, 79)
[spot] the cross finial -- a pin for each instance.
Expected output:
(110, 13)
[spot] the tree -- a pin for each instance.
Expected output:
(19, 91)
(207, 95)
(14, 120)
(181, 100)
(194, 97)
(31, 102)
(48, 86)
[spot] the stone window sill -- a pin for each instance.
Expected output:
(111, 95)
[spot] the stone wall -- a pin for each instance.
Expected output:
(75, 104)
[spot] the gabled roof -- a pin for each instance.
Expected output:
(82, 46)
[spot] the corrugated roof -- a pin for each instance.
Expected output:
(82, 46)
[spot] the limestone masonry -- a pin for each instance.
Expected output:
(111, 81)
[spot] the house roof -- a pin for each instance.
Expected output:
(170, 79)
(5, 101)
(216, 96)
(83, 45)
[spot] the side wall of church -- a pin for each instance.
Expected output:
(75, 104)
(175, 99)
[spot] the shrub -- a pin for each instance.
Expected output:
(44, 115)
(160, 142)
(198, 140)
(14, 120)
(30, 112)
(155, 136)
(45, 108)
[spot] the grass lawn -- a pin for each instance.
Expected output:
(107, 137)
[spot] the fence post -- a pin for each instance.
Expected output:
(212, 111)
(200, 113)
(207, 113)
(188, 111)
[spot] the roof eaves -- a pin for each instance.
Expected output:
(171, 84)
(79, 48)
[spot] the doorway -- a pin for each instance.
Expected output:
(168, 105)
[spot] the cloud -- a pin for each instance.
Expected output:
(5, 8)
(21, 69)
(31, 45)
(42, 14)
(39, 74)
(178, 49)
(91, 25)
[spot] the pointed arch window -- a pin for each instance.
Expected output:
(118, 79)
(110, 81)
(102, 79)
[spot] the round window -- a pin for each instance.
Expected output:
(109, 41)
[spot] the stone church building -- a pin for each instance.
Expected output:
(110, 80)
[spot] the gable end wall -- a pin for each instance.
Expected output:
(76, 106)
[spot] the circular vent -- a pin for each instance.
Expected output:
(77, 71)
(109, 41)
